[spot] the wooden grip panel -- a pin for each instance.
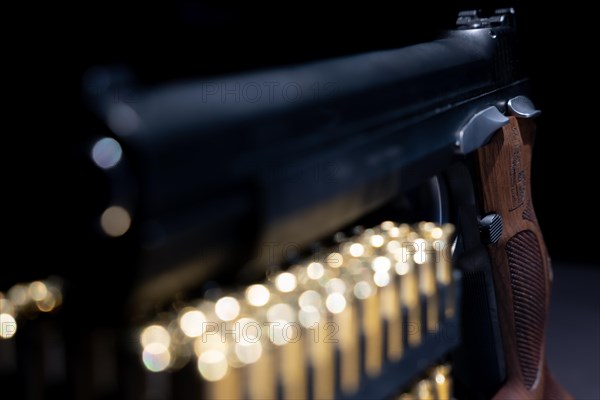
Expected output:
(521, 265)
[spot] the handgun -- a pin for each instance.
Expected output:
(217, 190)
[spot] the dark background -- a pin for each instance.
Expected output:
(48, 191)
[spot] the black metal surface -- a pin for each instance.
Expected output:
(479, 366)
(490, 228)
(374, 168)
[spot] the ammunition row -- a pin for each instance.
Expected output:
(27, 300)
(437, 385)
(320, 328)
